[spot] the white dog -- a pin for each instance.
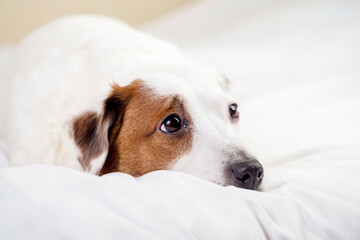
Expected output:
(91, 93)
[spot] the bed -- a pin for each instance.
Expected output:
(295, 68)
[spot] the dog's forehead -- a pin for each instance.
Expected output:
(204, 92)
(203, 83)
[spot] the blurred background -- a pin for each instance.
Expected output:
(20, 17)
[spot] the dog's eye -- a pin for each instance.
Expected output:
(234, 114)
(171, 123)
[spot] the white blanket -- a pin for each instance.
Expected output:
(295, 67)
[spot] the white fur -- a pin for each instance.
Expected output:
(66, 68)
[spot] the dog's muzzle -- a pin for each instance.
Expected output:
(247, 174)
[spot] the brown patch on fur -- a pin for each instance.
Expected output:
(90, 136)
(128, 129)
(91, 131)
(136, 145)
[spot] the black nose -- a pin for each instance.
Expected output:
(248, 174)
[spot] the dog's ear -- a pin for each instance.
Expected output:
(94, 134)
(90, 136)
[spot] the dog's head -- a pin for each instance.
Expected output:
(186, 122)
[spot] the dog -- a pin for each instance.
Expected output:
(93, 94)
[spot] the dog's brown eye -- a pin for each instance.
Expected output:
(234, 114)
(171, 123)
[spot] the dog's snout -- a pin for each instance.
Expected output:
(248, 174)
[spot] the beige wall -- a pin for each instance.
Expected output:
(19, 17)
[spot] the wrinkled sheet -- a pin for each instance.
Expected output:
(295, 69)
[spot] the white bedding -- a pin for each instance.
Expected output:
(295, 67)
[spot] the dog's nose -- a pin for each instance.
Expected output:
(248, 174)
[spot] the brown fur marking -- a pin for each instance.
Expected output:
(89, 136)
(128, 128)
(137, 146)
